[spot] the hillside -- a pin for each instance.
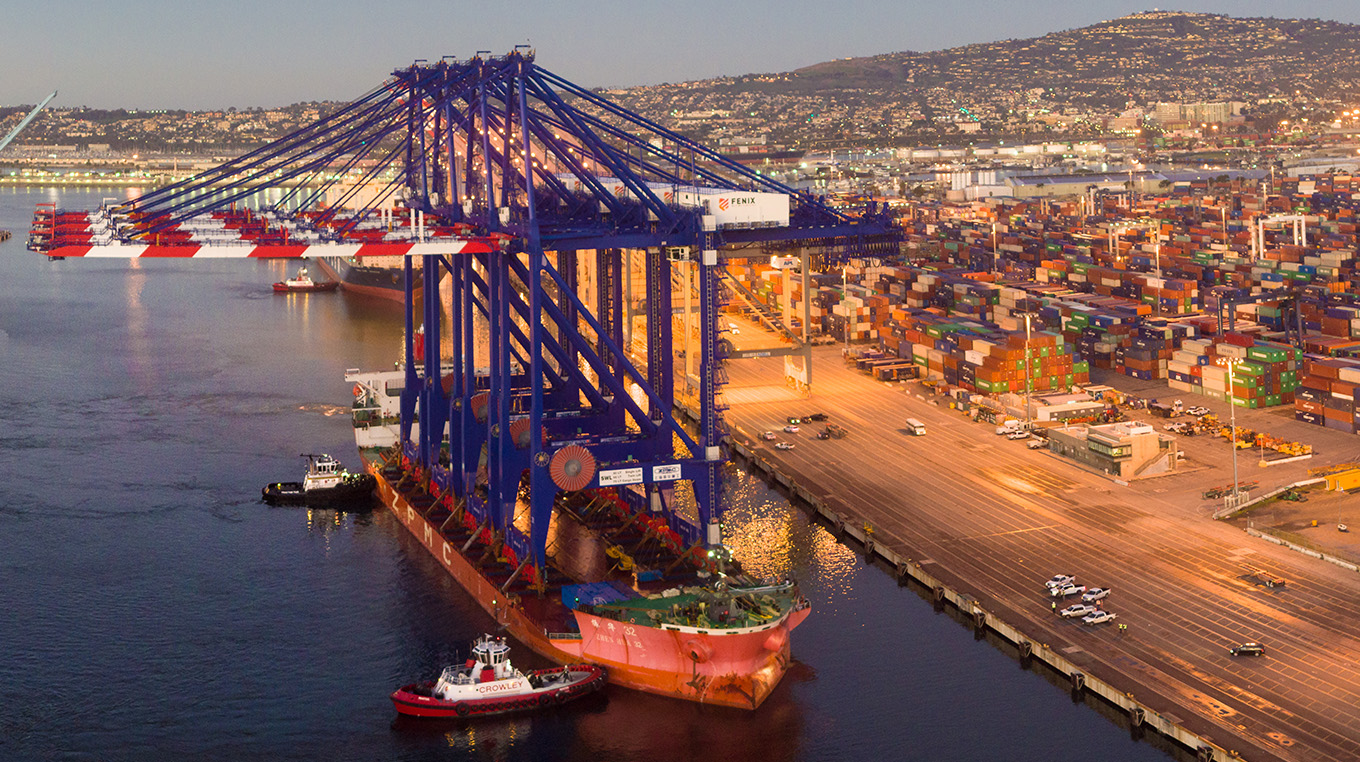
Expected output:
(1097, 70)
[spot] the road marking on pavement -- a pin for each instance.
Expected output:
(1013, 531)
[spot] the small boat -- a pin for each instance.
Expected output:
(326, 485)
(487, 685)
(304, 283)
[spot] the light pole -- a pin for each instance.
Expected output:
(1157, 254)
(1231, 363)
(995, 255)
(845, 287)
(1028, 423)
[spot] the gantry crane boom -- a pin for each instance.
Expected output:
(24, 122)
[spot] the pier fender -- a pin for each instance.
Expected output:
(903, 572)
(937, 597)
(1026, 652)
(1136, 716)
(838, 524)
(1204, 754)
(1078, 681)
(869, 548)
(699, 652)
(778, 639)
(979, 624)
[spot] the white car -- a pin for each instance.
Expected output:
(1037, 444)
(1078, 610)
(1059, 579)
(783, 446)
(733, 328)
(792, 429)
(768, 436)
(1062, 591)
(1098, 617)
(1197, 410)
(1018, 435)
(1095, 594)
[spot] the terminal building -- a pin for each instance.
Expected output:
(1123, 450)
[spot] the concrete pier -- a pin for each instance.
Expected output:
(976, 524)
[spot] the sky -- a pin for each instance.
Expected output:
(190, 54)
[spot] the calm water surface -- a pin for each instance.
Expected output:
(152, 608)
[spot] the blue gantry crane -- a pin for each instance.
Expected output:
(528, 196)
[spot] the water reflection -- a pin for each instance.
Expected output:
(771, 541)
(328, 520)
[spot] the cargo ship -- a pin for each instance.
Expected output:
(620, 589)
(378, 277)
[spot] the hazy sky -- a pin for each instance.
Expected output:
(197, 55)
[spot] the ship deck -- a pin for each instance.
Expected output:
(584, 533)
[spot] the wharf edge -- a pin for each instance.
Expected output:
(1138, 714)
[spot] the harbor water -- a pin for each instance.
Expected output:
(151, 607)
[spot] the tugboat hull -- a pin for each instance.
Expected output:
(357, 492)
(416, 700)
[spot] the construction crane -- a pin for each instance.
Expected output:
(24, 122)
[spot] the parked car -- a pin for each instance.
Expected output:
(1078, 610)
(1095, 594)
(795, 419)
(1059, 579)
(1037, 444)
(791, 428)
(768, 436)
(832, 431)
(1098, 617)
(815, 417)
(783, 446)
(1197, 410)
(1062, 591)
(1018, 435)
(1248, 649)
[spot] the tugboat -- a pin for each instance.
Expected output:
(327, 485)
(303, 283)
(488, 685)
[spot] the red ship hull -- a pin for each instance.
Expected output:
(389, 288)
(736, 668)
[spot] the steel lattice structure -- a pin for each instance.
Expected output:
(517, 184)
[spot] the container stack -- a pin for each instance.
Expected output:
(1264, 374)
(1326, 393)
(982, 357)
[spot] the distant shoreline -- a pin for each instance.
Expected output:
(155, 181)
(85, 182)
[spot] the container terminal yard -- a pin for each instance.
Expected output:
(992, 520)
(1186, 302)
(1092, 317)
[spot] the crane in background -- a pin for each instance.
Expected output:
(24, 122)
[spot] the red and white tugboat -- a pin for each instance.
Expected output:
(487, 684)
(303, 283)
